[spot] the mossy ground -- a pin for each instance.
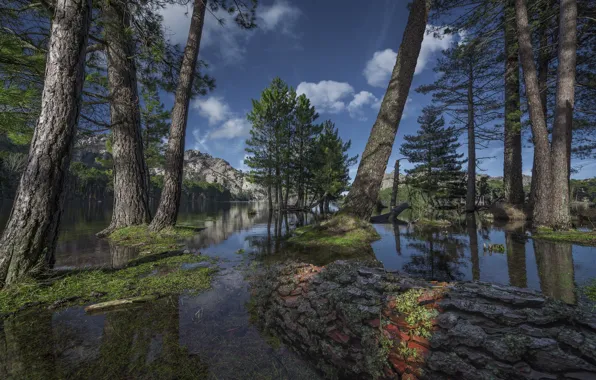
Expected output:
(160, 277)
(572, 236)
(434, 223)
(150, 243)
(591, 291)
(341, 233)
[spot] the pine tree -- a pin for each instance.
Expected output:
(269, 146)
(330, 165)
(466, 91)
(434, 149)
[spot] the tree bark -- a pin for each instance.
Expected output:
(471, 186)
(564, 102)
(169, 203)
(364, 193)
(346, 318)
(512, 165)
(542, 168)
(29, 239)
(131, 178)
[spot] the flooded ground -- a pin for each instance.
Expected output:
(210, 335)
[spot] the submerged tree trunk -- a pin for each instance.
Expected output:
(131, 197)
(364, 193)
(565, 99)
(471, 186)
(167, 212)
(512, 166)
(542, 168)
(395, 188)
(29, 239)
(473, 237)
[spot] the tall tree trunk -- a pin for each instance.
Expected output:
(544, 56)
(169, 203)
(471, 186)
(364, 193)
(542, 172)
(512, 165)
(395, 188)
(131, 197)
(564, 102)
(29, 238)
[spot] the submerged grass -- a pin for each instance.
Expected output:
(434, 223)
(572, 236)
(591, 291)
(157, 278)
(342, 233)
(151, 243)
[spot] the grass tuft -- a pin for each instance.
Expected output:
(572, 236)
(157, 278)
(342, 233)
(150, 243)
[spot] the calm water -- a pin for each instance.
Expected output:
(210, 335)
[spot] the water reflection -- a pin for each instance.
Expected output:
(515, 245)
(556, 271)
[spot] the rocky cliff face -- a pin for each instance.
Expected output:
(198, 166)
(204, 167)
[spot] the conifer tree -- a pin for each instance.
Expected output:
(433, 149)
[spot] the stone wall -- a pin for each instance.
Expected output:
(359, 322)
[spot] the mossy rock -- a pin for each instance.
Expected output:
(150, 243)
(342, 233)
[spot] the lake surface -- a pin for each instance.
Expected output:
(210, 335)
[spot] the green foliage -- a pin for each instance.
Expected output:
(416, 315)
(157, 278)
(590, 291)
(438, 173)
(287, 150)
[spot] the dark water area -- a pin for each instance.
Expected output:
(210, 335)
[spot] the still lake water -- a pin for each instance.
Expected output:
(210, 335)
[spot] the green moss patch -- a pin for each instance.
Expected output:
(168, 275)
(591, 291)
(434, 223)
(342, 233)
(150, 243)
(573, 236)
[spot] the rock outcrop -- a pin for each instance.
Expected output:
(360, 322)
(197, 166)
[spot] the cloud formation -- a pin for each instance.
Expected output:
(212, 108)
(327, 95)
(361, 100)
(378, 69)
(232, 128)
(229, 40)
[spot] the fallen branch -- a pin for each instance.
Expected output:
(108, 305)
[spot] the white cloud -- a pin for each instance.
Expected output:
(327, 95)
(200, 142)
(213, 108)
(280, 14)
(228, 40)
(378, 69)
(361, 100)
(431, 45)
(236, 127)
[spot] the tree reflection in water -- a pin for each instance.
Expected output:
(555, 269)
(436, 254)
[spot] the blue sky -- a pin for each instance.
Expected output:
(338, 52)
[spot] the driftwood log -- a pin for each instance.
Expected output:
(390, 216)
(345, 318)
